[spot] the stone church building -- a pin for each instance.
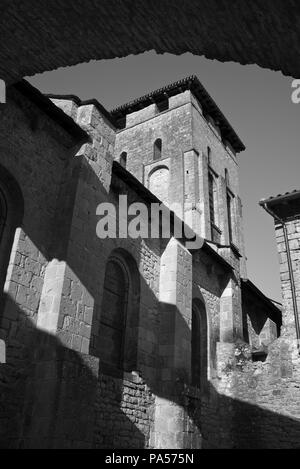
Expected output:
(132, 342)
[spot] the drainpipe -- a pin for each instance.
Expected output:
(291, 273)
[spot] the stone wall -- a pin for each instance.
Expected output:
(180, 176)
(63, 395)
(208, 143)
(293, 230)
(56, 391)
(33, 168)
(173, 127)
(256, 403)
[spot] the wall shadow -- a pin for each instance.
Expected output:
(49, 397)
(55, 397)
(52, 396)
(234, 424)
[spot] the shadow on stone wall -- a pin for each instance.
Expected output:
(49, 396)
(230, 423)
(54, 397)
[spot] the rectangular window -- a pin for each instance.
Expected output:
(213, 207)
(211, 194)
(229, 216)
(162, 105)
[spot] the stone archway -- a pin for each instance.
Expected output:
(44, 35)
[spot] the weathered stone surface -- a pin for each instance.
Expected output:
(56, 390)
(45, 35)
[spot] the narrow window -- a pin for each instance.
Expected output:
(157, 149)
(113, 314)
(196, 366)
(211, 192)
(114, 335)
(199, 344)
(229, 202)
(229, 216)
(213, 206)
(226, 177)
(123, 159)
(209, 156)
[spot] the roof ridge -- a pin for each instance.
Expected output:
(79, 102)
(208, 104)
(156, 91)
(279, 196)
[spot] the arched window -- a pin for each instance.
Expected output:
(158, 183)
(119, 315)
(157, 149)
(113, 313)
(123, 159)
(199, 344)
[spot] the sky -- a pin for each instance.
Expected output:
(257, 103)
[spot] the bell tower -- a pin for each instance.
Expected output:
(181, 147)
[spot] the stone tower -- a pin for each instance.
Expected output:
(178, 143)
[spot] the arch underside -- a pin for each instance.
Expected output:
(45, 35)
